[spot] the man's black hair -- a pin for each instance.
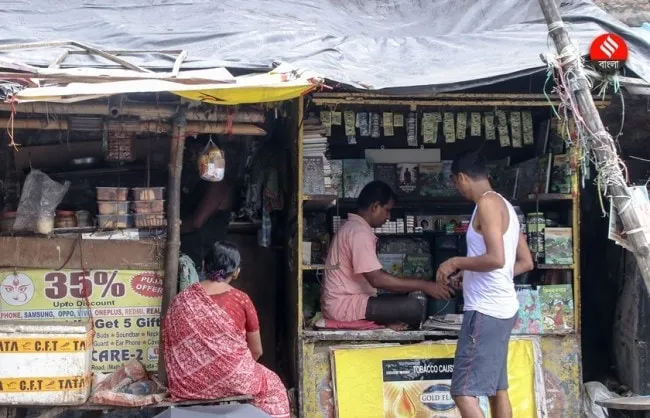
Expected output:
(373, 192)
(470, 163)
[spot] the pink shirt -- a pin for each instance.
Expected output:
(345, 292)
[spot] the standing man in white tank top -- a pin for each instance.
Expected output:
(496, 252)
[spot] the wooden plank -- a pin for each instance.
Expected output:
(53, 412)
(561, 361)
(374, 335)
(634, 403)
(191, 128)
(206, 113)
(60, 253)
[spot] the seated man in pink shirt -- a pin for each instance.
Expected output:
(350, 292)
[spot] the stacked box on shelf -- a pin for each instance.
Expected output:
(113, 208)
(317, 167)
(149, 207)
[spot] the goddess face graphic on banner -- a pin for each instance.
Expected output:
(16, 289)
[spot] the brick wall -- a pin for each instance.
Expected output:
(631, 12)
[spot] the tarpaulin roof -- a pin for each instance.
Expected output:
(377, 44)
(273, 86)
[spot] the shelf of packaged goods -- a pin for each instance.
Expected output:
(407, 202)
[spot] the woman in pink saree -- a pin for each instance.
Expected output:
(211, 340)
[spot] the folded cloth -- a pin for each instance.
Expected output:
(361, 324)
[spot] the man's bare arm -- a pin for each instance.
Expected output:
(524, 260)
(216, 197)
(379, 279)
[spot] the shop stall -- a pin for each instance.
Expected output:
(94, 195)
(350, 139)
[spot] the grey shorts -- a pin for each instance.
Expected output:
(480, 366)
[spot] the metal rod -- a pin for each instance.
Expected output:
(59, 60)
(177, 64)
(110, 57)
(88, 48)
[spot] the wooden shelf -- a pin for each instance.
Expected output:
(319, 202)
(103, 171)
(555, 266)
(373, 335)
(407, 202)
(547, 334)
(314, 267)
(546, 197)
(244, 226)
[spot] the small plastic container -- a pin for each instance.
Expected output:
(8, 219)
(150, 220)
(112, 194)
(114, 221)
(148, 193)
(65, 219)
(83, 218)
(113, 208)
(149, 206)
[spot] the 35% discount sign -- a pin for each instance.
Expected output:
(79, 284)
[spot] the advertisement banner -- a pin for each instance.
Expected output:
(125, 308)
(414, 381)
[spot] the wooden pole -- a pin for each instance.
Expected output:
(177, 144)
(141, 111)
(602, 145)
(191, 128)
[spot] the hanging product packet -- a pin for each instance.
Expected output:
(212, 163)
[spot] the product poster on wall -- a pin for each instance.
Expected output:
(414, 380)
(125, 308)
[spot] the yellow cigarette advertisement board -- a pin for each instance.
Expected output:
(412, 381)
(125, 308)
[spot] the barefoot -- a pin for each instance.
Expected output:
(399, 326)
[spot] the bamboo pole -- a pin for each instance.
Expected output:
(177, 145)
(442, 102)
(191, 128)
(142, 111)
(603, 147)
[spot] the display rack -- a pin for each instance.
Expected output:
(561, 350)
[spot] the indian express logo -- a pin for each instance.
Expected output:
(609, 47)
(608, 52)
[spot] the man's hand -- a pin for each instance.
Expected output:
(445, 270)
(437, 290)
(456, 280)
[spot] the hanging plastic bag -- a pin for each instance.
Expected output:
(596, 391)
(38, 201)
(212, 163)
